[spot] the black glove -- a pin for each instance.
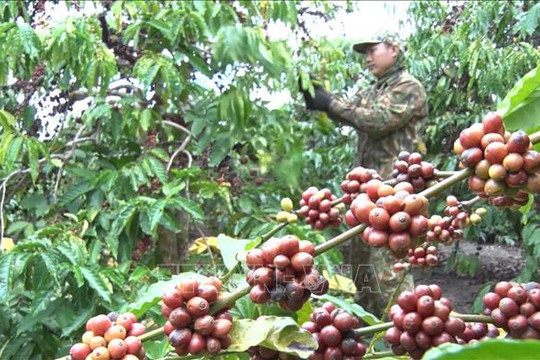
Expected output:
(321, 101)
(322, 98)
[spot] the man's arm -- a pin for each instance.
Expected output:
(386, 114)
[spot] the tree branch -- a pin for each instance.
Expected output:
(179, 150)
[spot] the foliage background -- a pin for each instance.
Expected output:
(95, 201)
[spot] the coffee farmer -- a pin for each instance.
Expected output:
(387, 119)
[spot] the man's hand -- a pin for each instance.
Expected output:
(320, 101)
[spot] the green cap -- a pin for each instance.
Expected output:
(386, 37)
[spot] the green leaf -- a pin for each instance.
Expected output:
(495, 349)
(146, 69)
(98, 283)
(155, 212)
(188, 206)
(79, 320)
(158, 169)
(146, 119)
(17, 226)
(13, 345)
(138, 273)
(279, 333)
(527, 207)
(6, 261)
(304, 313)
(478, 304)
(355, 309)
(244, 308)
(229, 248)
(38, 313)
(6, 120)
(157, 349)
(79, 188)
(521, 106)
(13, 152)
(149, 296)
(32, 151)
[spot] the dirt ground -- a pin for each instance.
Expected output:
(498, 262)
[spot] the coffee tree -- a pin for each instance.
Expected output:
(93, 200)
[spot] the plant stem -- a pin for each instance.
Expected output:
(473, 318)
(443, 174)
(387, 325)
(272, 232)
(378, 355)
(374, 328)
(337, 201)
(229, 300)
(394, 294)
(264, 238)
(446, 183)
(535, 137)
(391, 300)
(470, 203)
(151, 334)
(338, 240)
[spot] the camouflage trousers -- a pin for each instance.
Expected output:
(375, 280)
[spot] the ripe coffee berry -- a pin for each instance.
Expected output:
(506, 167)
(515, 308)
(285, 273)
(395, 218)
(333, 329)
(110, 339)
(409, 168)
(421, 320)
(190, 329)
(355, 182)
(316, 208)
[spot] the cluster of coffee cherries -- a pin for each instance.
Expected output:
(264, 353)
(355, 182)
(333, 329)
(475, 332)
(422, 320)
(515, 308)
(449, 228)
(110, 336)
(283, 271)
(316, 208)
(189, 327)
(506, 167)
(422, 256)
(142, 247)
(410, 168)
(395, 217)
(286, 215)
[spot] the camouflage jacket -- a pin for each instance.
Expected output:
(386, 117)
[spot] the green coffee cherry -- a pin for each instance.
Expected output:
(341, 207)
(282, 216)
(292, 218)
(286, 204)
(475, 219)
(481, 212)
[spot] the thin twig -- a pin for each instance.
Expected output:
(190, 161)
(178, 126)
(57, 183)
(3, 186)
(178, 151)
(470, 203)
(390, 302)
(207, 246)
(394, 295)
(81, 140)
